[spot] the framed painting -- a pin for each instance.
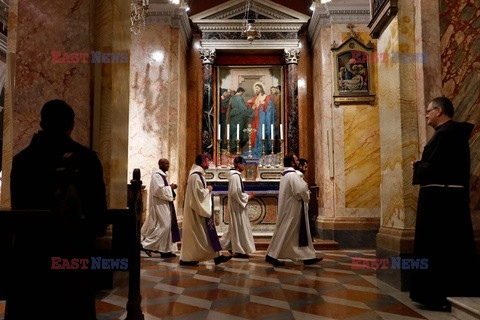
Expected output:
(250, 110)
(352, 73)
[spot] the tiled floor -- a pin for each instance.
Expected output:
(253, 289)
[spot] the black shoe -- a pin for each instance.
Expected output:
(188, 263)
(312, 261)
(230, 251)
(167, 255)
(274, 261)
(222, 259)
(241, 256)
(147, 251)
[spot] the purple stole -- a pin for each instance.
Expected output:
(302, 235)
(174, 227)
(212, 232)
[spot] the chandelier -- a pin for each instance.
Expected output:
(249, 30)
(138, 14)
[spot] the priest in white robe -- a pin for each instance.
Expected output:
(291, 238)
(160, 230)
(239, 237)
(199, 237)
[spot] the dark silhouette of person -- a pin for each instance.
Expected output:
(55, 173)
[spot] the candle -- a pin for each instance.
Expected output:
(228, 131)
(238, 131)
(263, 130)
(218, 131)
(271, 132)
(281, 131)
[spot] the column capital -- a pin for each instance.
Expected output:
(291, 56)
(208, 56)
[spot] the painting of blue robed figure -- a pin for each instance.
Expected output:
(250, 108)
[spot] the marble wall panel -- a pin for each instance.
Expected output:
(346, 168)
(151, 94)
(45, 26)
(460, 57)
(362, 157)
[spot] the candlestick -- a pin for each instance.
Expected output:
(228, 132)
(218, 162)
(263, 130)
(238, 146)
(238, 131)
(281, 131)
(228, 150)
(280, 159)
(219, 129)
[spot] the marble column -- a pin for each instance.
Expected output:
(111, 97)
(397, 97)
(429, 66)
(291, 59)
(208, 59)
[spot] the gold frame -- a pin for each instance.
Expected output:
(352, 49)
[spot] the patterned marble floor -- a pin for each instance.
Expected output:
(253, 289)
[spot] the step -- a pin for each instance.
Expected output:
(465, 308)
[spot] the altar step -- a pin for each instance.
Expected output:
(465, 308)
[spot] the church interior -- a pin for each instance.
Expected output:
(349, 82)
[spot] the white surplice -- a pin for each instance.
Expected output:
(157, 229)
(239, 237)
(196, 244)
(293, 194)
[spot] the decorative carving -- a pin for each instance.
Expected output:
(291, 56)
(352, 33)
(208, 56)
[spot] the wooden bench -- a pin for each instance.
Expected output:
(125, 226)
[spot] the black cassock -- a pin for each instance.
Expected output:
(443, 232)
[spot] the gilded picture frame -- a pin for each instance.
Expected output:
(352, 73)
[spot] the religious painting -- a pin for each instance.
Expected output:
(250, 111)
(352, 73)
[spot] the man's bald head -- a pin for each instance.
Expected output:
(164, 164)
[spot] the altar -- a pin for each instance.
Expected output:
(261, 210)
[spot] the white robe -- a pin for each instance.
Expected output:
(157, 231)
(196, 244)
(239, 237)
(293, 194)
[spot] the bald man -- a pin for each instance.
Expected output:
(160, 231)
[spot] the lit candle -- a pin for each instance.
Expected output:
(263, 130)
(271, 132)
(238, 131)
(281, 131)
(228, 131)
(219, 129)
